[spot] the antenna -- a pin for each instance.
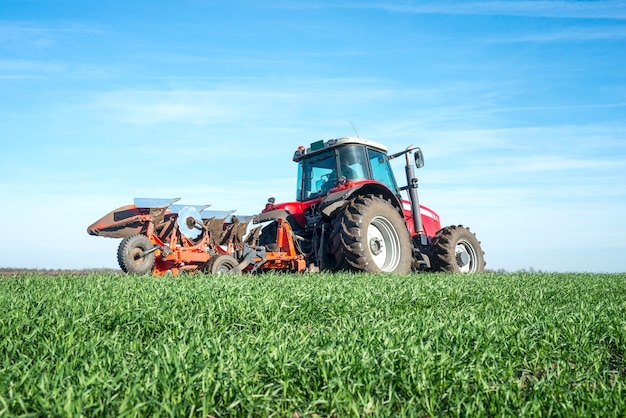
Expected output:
(357, 134)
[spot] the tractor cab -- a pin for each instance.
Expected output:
(325, 165)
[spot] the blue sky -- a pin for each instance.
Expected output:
(518, 106)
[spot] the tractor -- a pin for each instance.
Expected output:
(349, 214)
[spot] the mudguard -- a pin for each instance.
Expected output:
(336, 200)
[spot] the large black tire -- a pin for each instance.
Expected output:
(222, 264)
(370, 235)
(456, 249)
(128, 254)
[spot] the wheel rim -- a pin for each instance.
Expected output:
(465, 256)
(383, 243)
(135, 256)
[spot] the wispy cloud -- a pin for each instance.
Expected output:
(275, 99)
(199, 107)
(26, 34)
(615, 9)
(29, 68)
(576, 33)
(558, 9)
(35, 34)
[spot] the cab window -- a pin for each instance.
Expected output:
(381, 171)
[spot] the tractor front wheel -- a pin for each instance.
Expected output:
(370, 235)
(456, 249)
(129, 254)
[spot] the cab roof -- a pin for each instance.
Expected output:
(319, 146)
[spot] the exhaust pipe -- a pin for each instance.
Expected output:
(412, 188)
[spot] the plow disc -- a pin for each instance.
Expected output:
(160, 237)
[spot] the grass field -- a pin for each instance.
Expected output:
(313, 345)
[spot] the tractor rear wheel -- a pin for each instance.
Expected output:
(370, 235)
(456, 249)
(129, 254)
(222, 264)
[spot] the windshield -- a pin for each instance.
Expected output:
(316, 175)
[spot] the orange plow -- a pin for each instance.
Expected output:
(160, 237)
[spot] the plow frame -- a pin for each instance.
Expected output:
(286, 258)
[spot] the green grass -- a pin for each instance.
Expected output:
(306, 345)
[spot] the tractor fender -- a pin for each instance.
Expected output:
(338, 200)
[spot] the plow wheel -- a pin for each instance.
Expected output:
(222, 264)
(456, 249)
(129, 254)
(370, 235)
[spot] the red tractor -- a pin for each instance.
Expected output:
(349, 214)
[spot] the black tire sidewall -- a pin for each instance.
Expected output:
(444, 243)
(125, 257)
(222, 260)
(349, 240)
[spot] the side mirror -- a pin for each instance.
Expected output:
(419, 158)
